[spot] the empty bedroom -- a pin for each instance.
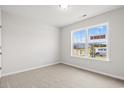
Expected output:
(61, 46)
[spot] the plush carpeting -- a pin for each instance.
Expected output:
(59, 76)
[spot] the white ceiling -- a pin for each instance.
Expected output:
(53, 15)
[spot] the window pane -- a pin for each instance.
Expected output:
(79, 40)
(97, 45)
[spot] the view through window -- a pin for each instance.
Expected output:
(91, 42)
(79, 42)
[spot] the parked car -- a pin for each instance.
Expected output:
(101, 52)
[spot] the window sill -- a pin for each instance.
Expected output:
(89, 58)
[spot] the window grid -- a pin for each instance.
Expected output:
(95, 37)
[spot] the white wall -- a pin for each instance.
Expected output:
(27, 43)
(0, 41)
(0, 17)
(116, 33)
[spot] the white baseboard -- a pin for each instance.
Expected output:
(0, 73)
(32, 68)
(91, 70)
(106, 74)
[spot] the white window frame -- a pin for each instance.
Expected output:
(76, 30)
(86, 44)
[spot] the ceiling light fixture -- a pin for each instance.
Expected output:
(64, 7)
(84, 15)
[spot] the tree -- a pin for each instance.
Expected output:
(92, 51)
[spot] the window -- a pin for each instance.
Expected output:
(79, 42)
(97, 42)
(91, 42)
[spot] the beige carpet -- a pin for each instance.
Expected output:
(59, 76)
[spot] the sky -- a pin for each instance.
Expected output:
(80, 36)
(99, 30)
